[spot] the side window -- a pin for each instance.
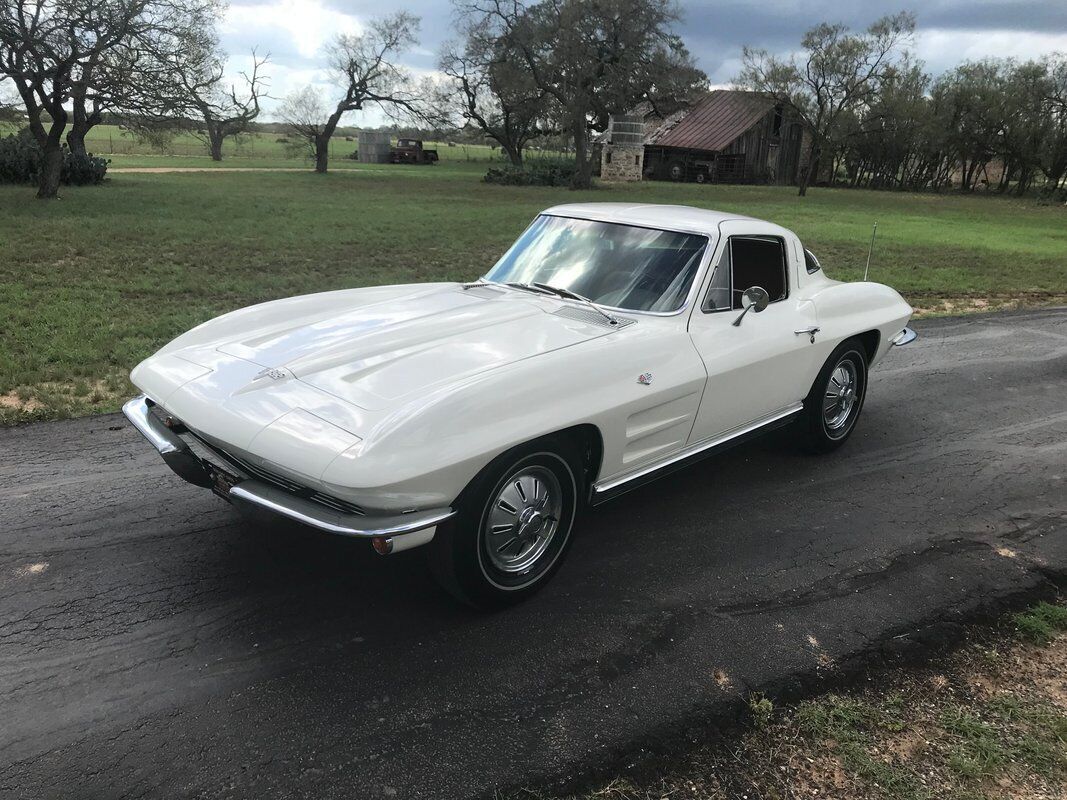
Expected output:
(811, 262)
(758, 261)
(718, 297)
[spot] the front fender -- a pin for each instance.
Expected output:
(433, 447)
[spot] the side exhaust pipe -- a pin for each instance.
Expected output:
(386, 545)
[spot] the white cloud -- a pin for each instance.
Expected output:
(305, 24)
(943, 49)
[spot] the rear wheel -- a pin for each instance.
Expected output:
(676, 171)
(836, 398)
(512, 526)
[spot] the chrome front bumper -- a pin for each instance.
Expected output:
(906, 336)
(413, 528)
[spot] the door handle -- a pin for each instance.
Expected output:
(811, 331)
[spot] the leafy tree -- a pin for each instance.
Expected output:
(490, 88)
(971, 103)
(593, 58)
(1026, 123)
(1053, 154)
(80, 54)
(898, 141)
(837, 74)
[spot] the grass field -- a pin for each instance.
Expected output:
(91, 284)
(110, 141)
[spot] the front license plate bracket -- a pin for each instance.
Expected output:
(222, 481)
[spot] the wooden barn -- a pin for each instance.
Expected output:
(727, 136)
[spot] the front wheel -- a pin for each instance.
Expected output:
(512, 526)
(836, 398)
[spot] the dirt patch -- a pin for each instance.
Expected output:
(52, 399)
(160, 170)
(939, 305)
(12, 402)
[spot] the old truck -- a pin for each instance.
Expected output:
(411, 151)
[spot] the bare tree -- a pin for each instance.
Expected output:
(838, 73)
(594, 58)
(220, 111)
(364, 66)
(61, 53)
(307, 114)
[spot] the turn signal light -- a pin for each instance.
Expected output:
(383, 545)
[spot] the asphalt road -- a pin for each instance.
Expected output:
(153, 644)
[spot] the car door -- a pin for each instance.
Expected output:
(763, 367)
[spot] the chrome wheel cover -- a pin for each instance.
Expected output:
(840, 396)
(522, 519)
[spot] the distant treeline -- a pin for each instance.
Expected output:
(998, 124)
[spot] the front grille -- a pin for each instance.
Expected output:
(227, 462)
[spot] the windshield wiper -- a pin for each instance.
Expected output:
(567, 293)
(529, 287)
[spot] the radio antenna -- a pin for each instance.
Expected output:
(870, 251)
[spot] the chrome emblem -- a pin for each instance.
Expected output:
(274, 373)
(645, 378)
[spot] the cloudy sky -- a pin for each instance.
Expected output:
(950, 31)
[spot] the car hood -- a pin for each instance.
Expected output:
(375, 349)
(378, 355)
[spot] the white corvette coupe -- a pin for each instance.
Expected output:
(612, 344)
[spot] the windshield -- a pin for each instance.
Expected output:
(621, 266)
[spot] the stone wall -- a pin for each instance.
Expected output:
(621, 162)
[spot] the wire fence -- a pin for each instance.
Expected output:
(282, 148)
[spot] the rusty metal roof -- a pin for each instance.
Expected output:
(715, 121)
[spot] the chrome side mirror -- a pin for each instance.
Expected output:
(755, 298)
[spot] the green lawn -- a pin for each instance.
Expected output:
(94, 282)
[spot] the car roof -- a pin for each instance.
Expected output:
(654, 215)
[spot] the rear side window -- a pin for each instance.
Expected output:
(758, 261)
(811, 262)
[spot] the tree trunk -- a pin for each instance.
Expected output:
(322, 153)
(809, 169)
(514, 152)
(968, 172)
(81, 122)
(215, 138)
(51, 169)
(76, 141)
(583, 173)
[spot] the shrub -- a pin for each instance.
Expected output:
(20, 158)
(20, 162)
(540, 172)
(87, 170)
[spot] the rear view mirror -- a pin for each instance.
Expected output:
(755, 298)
